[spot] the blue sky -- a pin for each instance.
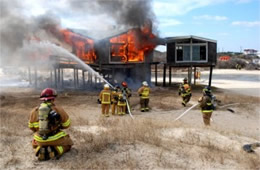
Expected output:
(235, 24)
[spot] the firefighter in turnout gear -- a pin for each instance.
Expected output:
(47, 120)
(126, 93)
(144, 92)
(105, 100)
(206, 105)
(114, 98)
(121, 105)
(185, 92)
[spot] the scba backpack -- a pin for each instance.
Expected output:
(49, 120)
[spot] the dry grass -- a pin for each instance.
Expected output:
(125, 144)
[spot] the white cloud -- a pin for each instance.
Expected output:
(180, 7)
(210, 17)
(165, 22)
(246, 23)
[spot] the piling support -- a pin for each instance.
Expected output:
(62, 78)
(170, 75)
(35, 77)
(164, 75)
(156, 81)
(83, 78)
(210, 75)
(29, 75)
(195, 75)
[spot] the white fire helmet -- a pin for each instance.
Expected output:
(106, 86)
(145, 83)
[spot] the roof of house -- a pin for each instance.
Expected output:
(174, 39)
(100, 35)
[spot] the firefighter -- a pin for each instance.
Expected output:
(144, 92)
(185, 92)
(105, 100)
(47, 121)
(121, 105)
(206, 105)
(126, 92)
(114, 98)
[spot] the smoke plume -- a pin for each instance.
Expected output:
(124, 12)
(16, 30)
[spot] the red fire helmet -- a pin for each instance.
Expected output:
(124, 84)
(48, 94)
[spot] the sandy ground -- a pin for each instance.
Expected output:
(151, 141)
(246, 82)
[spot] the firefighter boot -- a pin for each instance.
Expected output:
(41, 154)
(51, 152)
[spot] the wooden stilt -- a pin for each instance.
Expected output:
(35, 77)
(59, 77)
(62, 78)
(194, 75)
(164, 75)
(77, 77)
(170, 75)
(210, 75)
(55, 77)
(156, 75)
(74, 77)
(83, 78)
(51, 78)
(29, 75)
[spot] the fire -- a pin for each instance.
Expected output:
(132, 46)
(81, 46)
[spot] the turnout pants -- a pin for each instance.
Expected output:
(144, 104)
(185, 99)
(121, 109)
(61, 145)
(105, 109)
(206, 118)
(114, 108)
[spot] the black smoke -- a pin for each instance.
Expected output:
(124, 12)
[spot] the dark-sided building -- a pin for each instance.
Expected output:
(190, 52)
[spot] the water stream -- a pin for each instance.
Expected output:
(62, 52)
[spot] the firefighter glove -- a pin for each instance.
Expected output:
(98, 100)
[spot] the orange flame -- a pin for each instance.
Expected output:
(132, 46)
(81, 46)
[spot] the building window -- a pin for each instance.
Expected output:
(189, 53)
(183, 53)
(198, 53)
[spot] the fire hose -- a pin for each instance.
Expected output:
(128, 108)
(127, 104)
(186, 112)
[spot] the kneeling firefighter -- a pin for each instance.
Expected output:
(185, 92)
(144, 92)
(47, 120)
(206, 105)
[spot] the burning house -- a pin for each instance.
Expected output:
(120, 56)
